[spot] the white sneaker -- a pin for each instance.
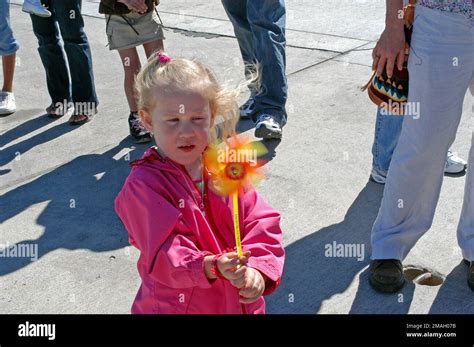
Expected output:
(267, 127)
(7, 103)
(454, 164)
(35, 7)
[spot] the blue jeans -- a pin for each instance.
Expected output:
(67, 15)
(387, 132)
(260, 30)
(8, 44)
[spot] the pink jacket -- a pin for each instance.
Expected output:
(159, 206)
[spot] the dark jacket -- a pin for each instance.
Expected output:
(115, 7)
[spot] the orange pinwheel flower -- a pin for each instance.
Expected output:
(234, 166)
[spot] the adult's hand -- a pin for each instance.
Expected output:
(390, 48)
(389, 51)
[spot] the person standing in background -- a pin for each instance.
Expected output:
(443, 29)
(129, 24)
(8, 48)
(260, 30)
(76, 97)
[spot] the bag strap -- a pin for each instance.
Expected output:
(409, 13)
(364, 87)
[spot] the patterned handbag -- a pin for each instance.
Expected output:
(392, 93)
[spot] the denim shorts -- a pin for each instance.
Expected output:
(8, 43)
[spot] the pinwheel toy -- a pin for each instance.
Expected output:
(234, 165)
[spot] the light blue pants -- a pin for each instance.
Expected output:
(441, 67)
(8, 44)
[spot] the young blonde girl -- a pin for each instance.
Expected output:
(183, 230)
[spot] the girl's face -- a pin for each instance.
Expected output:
(181, 126)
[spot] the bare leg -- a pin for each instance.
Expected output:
(8, 71)
(131, 66)
(153, 46)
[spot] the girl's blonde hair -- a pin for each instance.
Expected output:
(180, 75)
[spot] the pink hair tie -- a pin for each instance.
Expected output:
(163, 57)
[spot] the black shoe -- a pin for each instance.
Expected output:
(137, 130)
(470, 274)
(386, 275)
(268, 126)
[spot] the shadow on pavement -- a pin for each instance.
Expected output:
(80, 211)
(368, 301)
(310, 277)
(32, 122)
(25, 128)
(454, 296)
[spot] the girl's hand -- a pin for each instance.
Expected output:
(135, 5)
(251, 285)
(231, 266)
